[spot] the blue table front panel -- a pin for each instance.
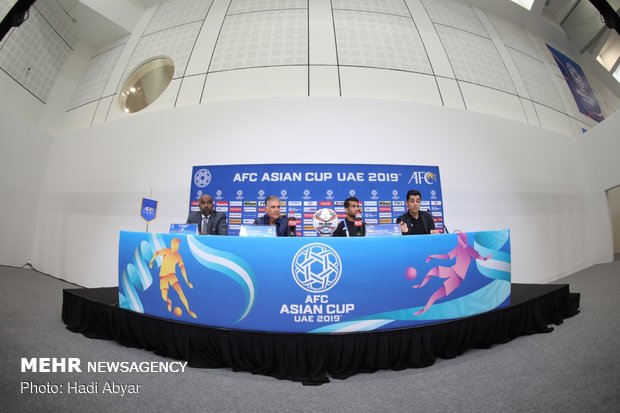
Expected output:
(319, 285)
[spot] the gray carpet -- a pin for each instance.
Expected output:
(576, 368)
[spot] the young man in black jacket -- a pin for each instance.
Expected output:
(414, 221)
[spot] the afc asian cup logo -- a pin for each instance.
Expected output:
(307, 194)
(261, 194)
(239, 194)
(218, 194)
(430, 178)
(352, 192)
(433, 194)
(329, 194)
(284, 194)
(374, 194)
(202, 178)
(316, 267)
(198, 194)
(395, 194)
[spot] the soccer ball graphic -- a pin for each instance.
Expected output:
(325, 221)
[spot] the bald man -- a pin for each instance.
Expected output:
(210, 222)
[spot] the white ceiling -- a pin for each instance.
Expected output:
(97, 22)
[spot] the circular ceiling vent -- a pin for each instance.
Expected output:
(145, 84)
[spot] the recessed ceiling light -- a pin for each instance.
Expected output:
(526, 4)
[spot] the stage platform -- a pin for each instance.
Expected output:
(313, 358)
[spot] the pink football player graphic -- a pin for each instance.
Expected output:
(453, 276)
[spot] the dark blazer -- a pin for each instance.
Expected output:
(353, 231)
(217, 222)
(282, 229)
(427, 222)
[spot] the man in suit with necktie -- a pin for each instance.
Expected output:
(210, 222)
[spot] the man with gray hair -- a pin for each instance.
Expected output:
(273, 217)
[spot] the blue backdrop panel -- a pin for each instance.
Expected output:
(240, 190)
(319, 285)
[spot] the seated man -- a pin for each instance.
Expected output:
(273, 217)
(414, 221)
(209, 222)
(348, 227)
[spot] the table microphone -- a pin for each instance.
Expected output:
(358, 224)
(292, 227)
(445, 229)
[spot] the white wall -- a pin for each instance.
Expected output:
(600, 148)
(613, 198)
(23, 159)
(496, 173)
(15, 99)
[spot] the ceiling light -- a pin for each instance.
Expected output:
(526, 4)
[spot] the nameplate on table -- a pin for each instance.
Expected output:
(257, 231)
(383, 230)
(184, 228)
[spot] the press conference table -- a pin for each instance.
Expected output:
(314, 285)
(307, 309)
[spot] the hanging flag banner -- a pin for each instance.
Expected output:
(320, 285)
(579, 86)
(240, 191)
(148, 210)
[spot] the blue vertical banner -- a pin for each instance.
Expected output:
(240, 191)
(148, 210)
(579, 86)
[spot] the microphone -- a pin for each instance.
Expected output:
(358, 220)
(445, 229)
(358, 224)
(292, 227)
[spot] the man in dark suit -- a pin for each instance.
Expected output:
(209, 222)
(273, 217)
(414, 221)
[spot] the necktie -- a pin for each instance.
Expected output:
(203, 225)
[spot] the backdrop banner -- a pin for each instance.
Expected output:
(320, 285)
(240, 190)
